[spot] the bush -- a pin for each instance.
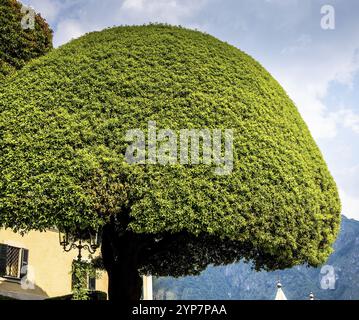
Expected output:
(18, 46)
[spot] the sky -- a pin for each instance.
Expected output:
(318, 67)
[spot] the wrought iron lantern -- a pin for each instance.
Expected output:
(89, 241)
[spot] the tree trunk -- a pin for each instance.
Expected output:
(120, 252)
(125, 284)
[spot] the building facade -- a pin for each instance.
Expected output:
(35, 266)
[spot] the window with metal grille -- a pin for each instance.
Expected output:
(13, 261)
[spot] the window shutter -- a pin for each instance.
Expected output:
(3, 257)
(24, 262)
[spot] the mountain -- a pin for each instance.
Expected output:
(337, 280)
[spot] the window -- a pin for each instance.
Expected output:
(92, 283)
(24, 262)
(13, 261)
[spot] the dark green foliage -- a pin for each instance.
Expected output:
(81, 271)
(62, 125)
(240, 282)
(18, 46)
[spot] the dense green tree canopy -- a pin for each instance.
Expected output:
(19, 44)
(63, 121)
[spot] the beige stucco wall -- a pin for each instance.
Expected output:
(49, 266)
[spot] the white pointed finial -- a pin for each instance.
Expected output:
(280, 294)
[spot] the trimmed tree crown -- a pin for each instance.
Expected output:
(63, 121)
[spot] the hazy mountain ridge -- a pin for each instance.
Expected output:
(239, 281)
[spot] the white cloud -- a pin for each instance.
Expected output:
(49, 9)
(304, 58)
(308, 99)
(350, 67)
(306, 76)
(79, 17)
(350, 205)
(354, 170)
(67, 30)
(300, 44)
(170, 11)
(347, 118)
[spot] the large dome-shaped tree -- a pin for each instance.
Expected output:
(63, 125)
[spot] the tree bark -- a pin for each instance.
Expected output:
(120, 254)
(123, 252)
(125, 284)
